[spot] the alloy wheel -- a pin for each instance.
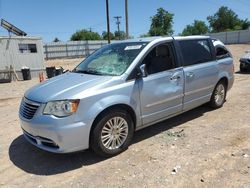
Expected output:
(114, 133)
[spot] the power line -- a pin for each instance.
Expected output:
(98, 24)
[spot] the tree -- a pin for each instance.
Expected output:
(161, 23)
(120, 35)
(196, 28)
(56, 40)
(85, 35)
(105, 35)
(144, 35)
(226, 20)
(245, 24)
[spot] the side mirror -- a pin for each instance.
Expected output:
(143, 70)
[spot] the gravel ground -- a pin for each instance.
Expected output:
(201, 148)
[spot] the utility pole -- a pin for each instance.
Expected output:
(126, 16)
(107, 13)
(118, 25)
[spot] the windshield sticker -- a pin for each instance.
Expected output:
(135, 47)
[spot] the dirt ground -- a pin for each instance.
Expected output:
(68, 64)
(201, 148)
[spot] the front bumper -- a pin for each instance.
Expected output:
(245, 64)
(57, 139)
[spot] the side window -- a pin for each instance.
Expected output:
(195, 51)
(221, 52)
(160, 58)
(27, 48)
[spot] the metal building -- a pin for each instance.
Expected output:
(22, 51)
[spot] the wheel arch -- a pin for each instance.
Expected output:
(222, 78)
(212, 102)
(225, 77)
(122, 106)
(225, 80)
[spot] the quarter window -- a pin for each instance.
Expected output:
(27, 48)
(221, 53)
(195, 51)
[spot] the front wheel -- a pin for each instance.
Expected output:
(242, 68)
(219, 95)
(112, 133)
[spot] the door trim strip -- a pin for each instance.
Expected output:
(165, 100)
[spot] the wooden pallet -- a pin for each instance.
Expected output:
(8, 75)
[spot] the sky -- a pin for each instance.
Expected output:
(61, 18)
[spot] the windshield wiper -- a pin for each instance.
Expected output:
(88, 71)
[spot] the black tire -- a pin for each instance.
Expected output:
(242, 69)
(214, 102)
(96, 140)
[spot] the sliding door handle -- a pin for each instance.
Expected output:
(190, 74)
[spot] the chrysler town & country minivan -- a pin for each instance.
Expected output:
(123, 87)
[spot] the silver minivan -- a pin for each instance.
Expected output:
(123, 87)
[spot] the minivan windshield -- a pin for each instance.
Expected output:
(112, 59)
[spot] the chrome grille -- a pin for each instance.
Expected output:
(28, 108)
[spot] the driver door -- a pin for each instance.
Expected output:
(161, 91)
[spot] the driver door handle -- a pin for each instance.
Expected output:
(175, 77)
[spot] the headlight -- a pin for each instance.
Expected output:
(61, 108)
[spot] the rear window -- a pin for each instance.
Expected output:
(195, 51)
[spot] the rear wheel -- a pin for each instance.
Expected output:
(112, 133)
(219, 95)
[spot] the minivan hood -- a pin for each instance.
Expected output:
(65, 86)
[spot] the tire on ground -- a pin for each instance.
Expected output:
(96, 142)
(219, 89)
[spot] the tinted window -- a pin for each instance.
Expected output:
(159, 59)
(221, 52)
(195, 51)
